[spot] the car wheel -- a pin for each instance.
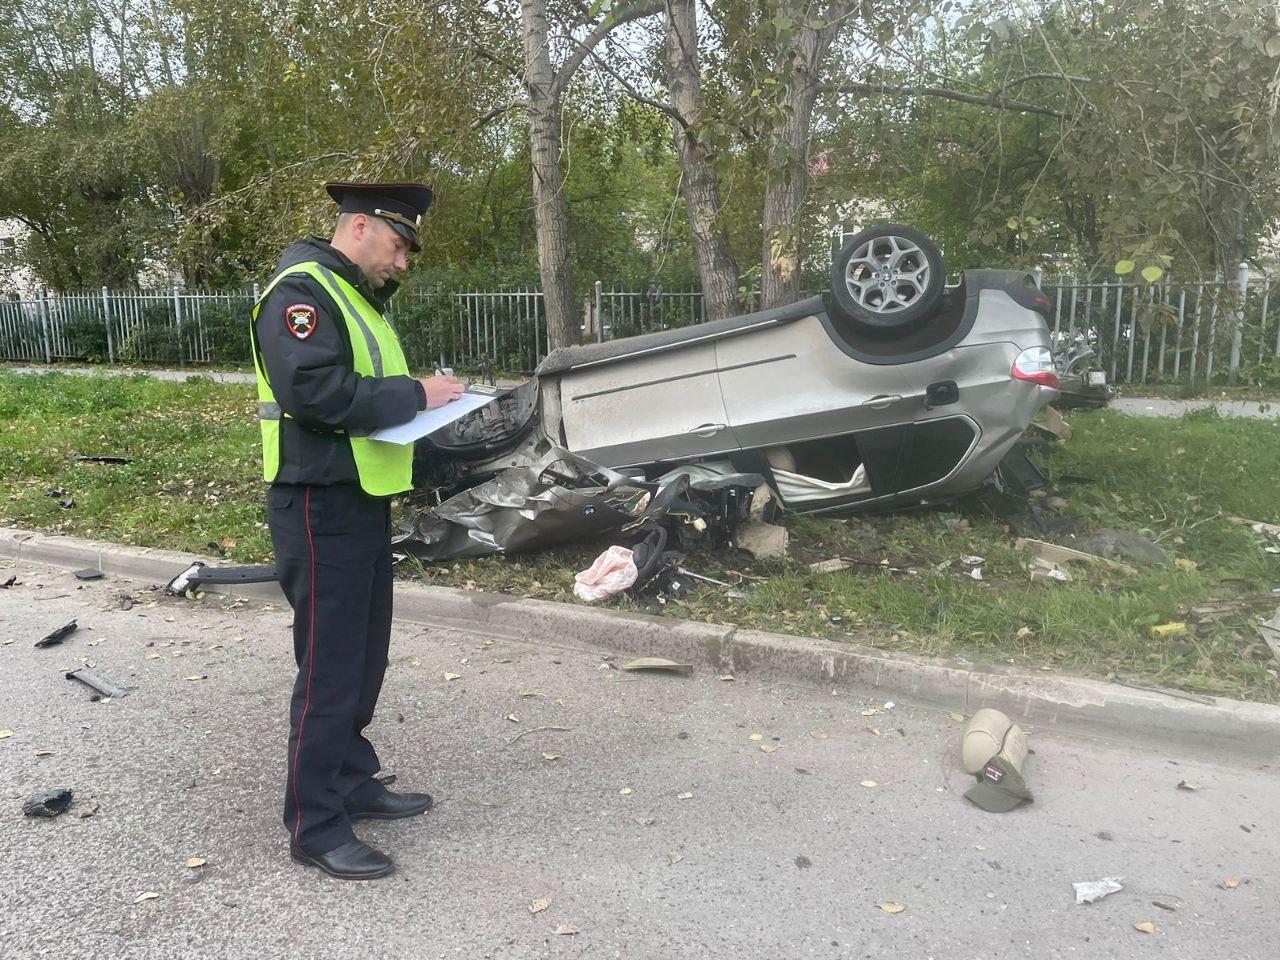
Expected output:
(888, 279)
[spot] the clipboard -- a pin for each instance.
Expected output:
(428, 422)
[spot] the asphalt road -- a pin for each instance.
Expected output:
(775, 853)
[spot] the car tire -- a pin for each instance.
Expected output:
(888, 279)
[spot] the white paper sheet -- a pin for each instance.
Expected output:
(428, 422)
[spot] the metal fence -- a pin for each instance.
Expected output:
(1202, 332)
(1175, 332)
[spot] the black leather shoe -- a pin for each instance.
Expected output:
(353, 860)
(391, 806)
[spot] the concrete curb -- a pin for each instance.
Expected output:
(1077, 705)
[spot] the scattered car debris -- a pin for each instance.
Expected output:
(11, 582)
(1270, 633)
(612, 573)
(89, 573)
(66, 504)
(1055, 554)
(834, 565)
(762, 540)
(1045, 570)
(994, 749)
(658, 663)
(1257, 526)
(1091, 891)
(57, 636)
(47, 803)
(100, 458)
(1080, 386)
(1166, 631)
(199, 574)
(1109, 543)
(1054, 424)
(97, 682)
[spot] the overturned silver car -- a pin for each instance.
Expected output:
(891, 390)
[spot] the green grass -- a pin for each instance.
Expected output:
(196, 482)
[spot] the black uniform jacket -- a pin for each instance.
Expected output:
(313, 376)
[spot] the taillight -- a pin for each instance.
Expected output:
(1035, 366)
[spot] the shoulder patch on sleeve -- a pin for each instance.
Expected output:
(300, 319)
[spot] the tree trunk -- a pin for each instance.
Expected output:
(717, 269)
(551, 212)
(787, 173)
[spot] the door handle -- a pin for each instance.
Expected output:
(881, 402)
(708, 429)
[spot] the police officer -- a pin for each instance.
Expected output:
(330, 370)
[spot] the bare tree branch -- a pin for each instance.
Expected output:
(1038, 76)
(565, 74)
(910, 90)
(639, 97)
(498, 111)
(496, 60)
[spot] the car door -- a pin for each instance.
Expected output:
(791, 383)
(659, 406)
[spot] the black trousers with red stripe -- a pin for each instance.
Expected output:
(333, 555)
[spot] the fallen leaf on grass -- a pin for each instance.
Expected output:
(893, 907)
(675, 856)
(1189, 566)
(195, 863)
(144, 897)
(1183, 785)
(566, 930)
(1023, 633)
(869, 783)
(1230, 883)
(539, 905)
(1146, 926)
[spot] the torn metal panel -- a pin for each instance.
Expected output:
(561, 497)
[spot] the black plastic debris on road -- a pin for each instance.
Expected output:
(198, 574)
(97, 682)
(11, 582)
(47, 803)
(100, 458)
(89, 573)
(57, 636)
